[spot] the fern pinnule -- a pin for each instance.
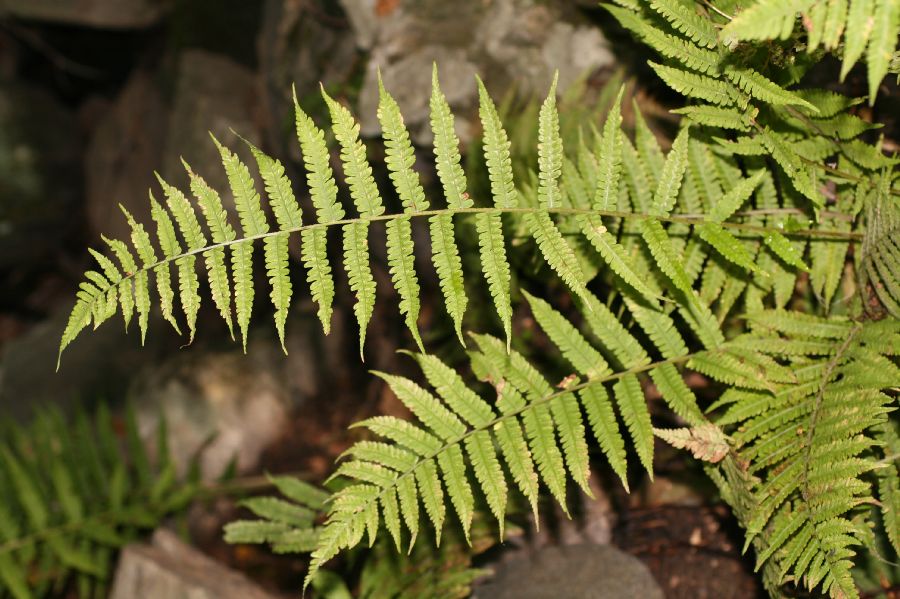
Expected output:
(555, 249)
(696, 28)
(490, 226)
(165, 235)
(289, 217)
(694, 85)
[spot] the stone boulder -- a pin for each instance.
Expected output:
(167, 567)
(213, 94)
(521, 42)
(124, 150)
(571, 572)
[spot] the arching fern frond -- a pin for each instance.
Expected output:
(453, 454)
(560, 193)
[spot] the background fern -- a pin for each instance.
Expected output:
(288, 524)
(70, 497)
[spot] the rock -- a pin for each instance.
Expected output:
(219, 405)
(102, 14)
(39, 177)
(663, 490)
(288, 59)
(213, 94)
(98, 364)
(223, 405)
(508, 41)
(169, 568)
(139, 136)
(125, 149)
(571, 572)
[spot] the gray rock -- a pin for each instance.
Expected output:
(287, 58)
(507, 41)
(223, 405)
(409, 81)
(219, 405)
(169, 568)
(571, 572)
(39, 178)
(213, 94)
(121, 14)
(123, 152)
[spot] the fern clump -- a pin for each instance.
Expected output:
(758, 252)
(70, 497)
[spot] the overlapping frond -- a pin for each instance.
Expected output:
(857, 27)
(808, 447)
(456, 451)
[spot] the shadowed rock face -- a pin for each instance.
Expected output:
(39, 178)
(121, 14)
(572, 572)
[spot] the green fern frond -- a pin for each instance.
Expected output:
(696, 28)
(581, 202)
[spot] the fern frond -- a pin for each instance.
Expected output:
(765, 19)
(807, 444)
(696, 28)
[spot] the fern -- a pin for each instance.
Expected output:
(70, 498)
(719, 226)
(866, 26)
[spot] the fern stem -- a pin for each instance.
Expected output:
(672, 218)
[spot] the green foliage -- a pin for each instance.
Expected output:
(849, 27)
(71, 496)
(677, 262)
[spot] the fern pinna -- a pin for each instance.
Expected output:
(726, 222)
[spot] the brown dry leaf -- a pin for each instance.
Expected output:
(707, 442)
